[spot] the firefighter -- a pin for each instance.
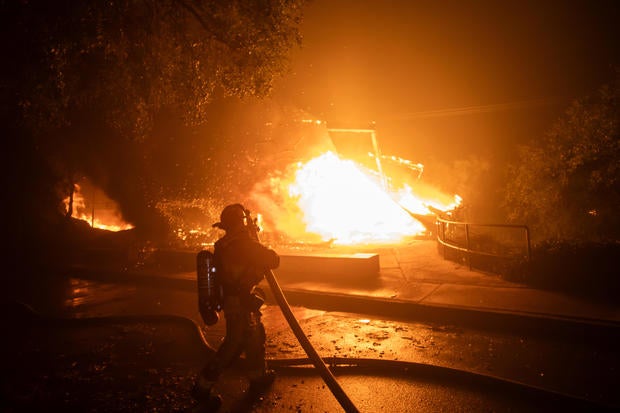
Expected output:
(241, 261)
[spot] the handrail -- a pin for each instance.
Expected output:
(441, 238)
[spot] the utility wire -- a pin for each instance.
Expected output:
(477, 109)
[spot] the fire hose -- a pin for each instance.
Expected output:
(318, 362)
(23, 315)
(316, 359)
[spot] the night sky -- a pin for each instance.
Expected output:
(449, 79)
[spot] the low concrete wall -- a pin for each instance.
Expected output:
(329, 266)
(299, 266)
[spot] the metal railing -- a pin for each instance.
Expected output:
(483, 242)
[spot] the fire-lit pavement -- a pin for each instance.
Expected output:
(414, 281)
(417, 275)
(436, 301)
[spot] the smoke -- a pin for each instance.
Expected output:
(236, 157)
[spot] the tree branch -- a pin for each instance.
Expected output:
(207, 26)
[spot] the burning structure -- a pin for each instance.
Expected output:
(350, 194)
(334, 187)
(89, 203)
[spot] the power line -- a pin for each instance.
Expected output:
(473, 110)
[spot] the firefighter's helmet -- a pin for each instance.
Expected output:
(232, 216)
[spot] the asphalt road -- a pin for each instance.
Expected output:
(467, 361)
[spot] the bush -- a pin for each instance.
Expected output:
(583, 268)
(567, 184)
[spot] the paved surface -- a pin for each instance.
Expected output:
(413, 282)
(415, 276)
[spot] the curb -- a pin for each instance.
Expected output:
(471, 317)
(510, 321)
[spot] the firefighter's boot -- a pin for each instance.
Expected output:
(207, 401)
(260, 384)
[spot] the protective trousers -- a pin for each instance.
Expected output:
(245, 333)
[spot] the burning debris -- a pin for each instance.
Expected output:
(333, 187)
(96, 208)
(350, 200)
(337, 199)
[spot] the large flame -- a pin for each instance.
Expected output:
(343, 202)
(102, 214)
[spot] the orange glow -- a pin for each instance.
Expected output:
(419, 204)
(339, 200)
(104, 214)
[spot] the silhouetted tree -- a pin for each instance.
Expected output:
(567, 186)
(84, 82)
